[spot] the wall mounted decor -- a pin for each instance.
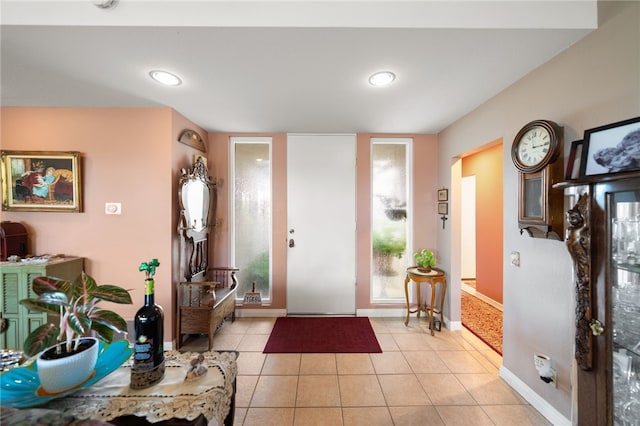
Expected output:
(41, 181)
(192, 138)
(613, 148)
(537, 154)
(443, 194)
(575, 157)
(443, 208)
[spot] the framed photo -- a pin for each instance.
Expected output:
(613, 148)
(443, 195)
(41, 181)
(192, 138)
(573, 165)
(443, 208)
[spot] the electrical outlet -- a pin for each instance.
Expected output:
(112, 208)
(515, 258)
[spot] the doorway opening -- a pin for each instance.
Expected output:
(481, 230)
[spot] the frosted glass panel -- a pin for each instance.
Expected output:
(252, 217)
(389, 220)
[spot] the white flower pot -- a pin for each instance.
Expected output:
(65, 373)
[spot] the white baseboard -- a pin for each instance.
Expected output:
(256, 313)
(472, 291)
(536, 401)
(382, 313)
(453, 325)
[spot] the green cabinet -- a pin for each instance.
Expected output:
(16, 285)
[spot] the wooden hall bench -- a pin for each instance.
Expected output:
(204, 305)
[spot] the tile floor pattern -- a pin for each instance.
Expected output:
(447, 379)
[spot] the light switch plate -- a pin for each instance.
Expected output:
(112, 208)
(515, 258)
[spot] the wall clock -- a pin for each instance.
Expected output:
(536, 153)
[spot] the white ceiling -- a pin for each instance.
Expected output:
(286, 66)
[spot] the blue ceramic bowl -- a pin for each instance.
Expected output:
(20, 387)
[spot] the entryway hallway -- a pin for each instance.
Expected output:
(447, 379)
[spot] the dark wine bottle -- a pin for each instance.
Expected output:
(148, 357)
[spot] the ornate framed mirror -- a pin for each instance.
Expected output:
(197, 196)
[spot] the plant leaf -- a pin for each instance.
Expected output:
(54, 298)
(40, 339)
(79, 322)
(39, 306)
(109, 319)
(112, 293)
(103, 332)
(47, 284)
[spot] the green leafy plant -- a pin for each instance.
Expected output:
(385, 243)
(425, 259)
(76, 305)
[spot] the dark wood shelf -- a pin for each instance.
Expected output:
(588, 180)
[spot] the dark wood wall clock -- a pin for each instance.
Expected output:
(537, 154)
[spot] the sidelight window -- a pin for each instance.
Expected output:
(391, 219)
(251, 211)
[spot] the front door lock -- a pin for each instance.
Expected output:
(292, 243)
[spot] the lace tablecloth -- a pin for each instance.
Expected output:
(209, 395)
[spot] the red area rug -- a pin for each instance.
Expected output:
(483, 320)
(322, 335)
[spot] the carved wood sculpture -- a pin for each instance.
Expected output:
(578, 241)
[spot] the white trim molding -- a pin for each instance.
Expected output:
(536, 401)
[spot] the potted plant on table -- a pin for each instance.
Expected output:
(425, 259)
(62, 345)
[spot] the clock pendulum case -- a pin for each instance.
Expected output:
(537, 154)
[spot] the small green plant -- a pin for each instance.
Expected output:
(425, 259)
(385, 243)
(76, 304)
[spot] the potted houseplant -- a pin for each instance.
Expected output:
(66, 344)
(425, 259)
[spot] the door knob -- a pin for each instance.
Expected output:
(292, 243)
(596, 327)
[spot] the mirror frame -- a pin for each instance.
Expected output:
(196, 249)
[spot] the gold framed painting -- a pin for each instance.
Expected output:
(46, 181)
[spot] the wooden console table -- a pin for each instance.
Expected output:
(207, 399)
(433, 278)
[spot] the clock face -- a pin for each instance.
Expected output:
(534, 146)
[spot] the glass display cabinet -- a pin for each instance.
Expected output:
(603, 238)
(619, 203)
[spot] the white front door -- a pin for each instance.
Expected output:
(321, 199)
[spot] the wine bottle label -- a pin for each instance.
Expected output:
(149, 288)
(143, 353)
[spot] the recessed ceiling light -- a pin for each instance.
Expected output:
(166, 78)
(382, 78)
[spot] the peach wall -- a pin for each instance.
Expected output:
(487, 166)
(129, 155)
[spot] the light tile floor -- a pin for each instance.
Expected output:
(447, 379)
